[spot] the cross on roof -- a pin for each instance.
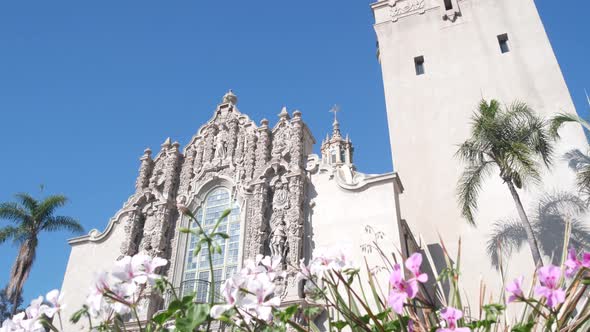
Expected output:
(335, 109)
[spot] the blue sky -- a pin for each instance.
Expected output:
(85, 86)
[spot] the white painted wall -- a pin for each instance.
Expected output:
(429, 115)
(339, 216)
(87, 258)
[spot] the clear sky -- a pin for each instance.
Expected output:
(86, 86)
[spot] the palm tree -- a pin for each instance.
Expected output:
(512, 139)
(31, 217)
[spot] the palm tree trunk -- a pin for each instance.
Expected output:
(527, 226)
(20, 271)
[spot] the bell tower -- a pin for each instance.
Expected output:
(439, 58)
(336, 150)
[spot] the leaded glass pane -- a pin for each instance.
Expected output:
(196, 271)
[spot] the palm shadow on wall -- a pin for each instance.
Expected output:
(548, 217)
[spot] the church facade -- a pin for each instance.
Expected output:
(438, 59)
(284, 201)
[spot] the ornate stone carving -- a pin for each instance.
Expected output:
(263, 167)
(145, 170)
(256, 231)
(133, 232)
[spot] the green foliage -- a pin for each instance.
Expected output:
(29, 218)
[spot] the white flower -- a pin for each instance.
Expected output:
(273, 267)
(97, 290)
(150, 265)
(257, 302)
(129, 269)
(55, 298)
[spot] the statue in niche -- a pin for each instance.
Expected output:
(146, 244)
(281, 146)
(280, 200)
(220, 146)
(157, 181)
(278, 237)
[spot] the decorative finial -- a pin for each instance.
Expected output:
(147, 152)
(166, 143)
(230, 97)
(264, 122)
(284, 115)
(335, 126)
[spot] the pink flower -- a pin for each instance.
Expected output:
(572, 264)
(515, 288)
(401, 289)
(451, 316)
(549, 276)
(405, 289)
(413, 264)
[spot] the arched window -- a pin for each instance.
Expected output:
(196, 276)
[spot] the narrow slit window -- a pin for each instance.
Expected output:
(448, 4)
(419, 64)
(503, 41)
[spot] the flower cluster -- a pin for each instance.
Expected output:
(548, 287)
(451, 316)
(30, 319)
(251, 291)
(402, 289)
(119, 291)
(573, 264)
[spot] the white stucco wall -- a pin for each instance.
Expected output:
(428, 115)
(89, 256)
(339, 217)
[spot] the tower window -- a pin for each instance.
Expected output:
(448, 4)
(503, 41)
(419, 64)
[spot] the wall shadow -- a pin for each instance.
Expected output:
(548, 217)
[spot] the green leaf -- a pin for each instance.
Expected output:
(221, 235)
(195, 316)
(78, 314)
(162, 317)
(528, 327)
(339, 324)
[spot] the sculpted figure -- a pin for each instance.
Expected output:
(220, 146)
(278, 240)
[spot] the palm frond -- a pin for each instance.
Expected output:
(10, 232)
(469, 187)
(521, 165)
(28, 201)
(49, 205)
(62, 223)
(562, 118)
(13, 212)
(471, 152)
(539, 139)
